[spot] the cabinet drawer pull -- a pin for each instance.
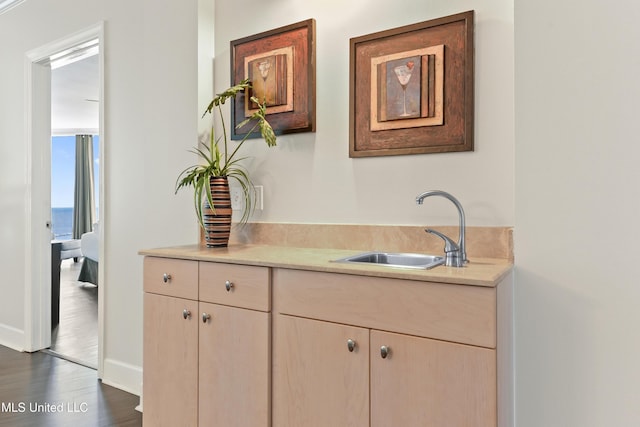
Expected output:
(384, 351)
(228, 284)
(166, 278)
(205, 317)
(351, 345)
(186, 313)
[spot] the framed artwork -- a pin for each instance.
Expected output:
(411, 89)
(281, 66)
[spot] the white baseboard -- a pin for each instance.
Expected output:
(123, 376)
(11, 337)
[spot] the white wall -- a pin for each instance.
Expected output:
(576, 190)
(577, 201)
(310, 177)
(153, 100)
(150, 122)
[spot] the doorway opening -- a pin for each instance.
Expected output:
(75, 245)
(49, 269)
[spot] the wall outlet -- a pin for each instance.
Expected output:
(237, 199)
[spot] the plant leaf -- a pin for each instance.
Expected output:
(219, 162)
(231, 92)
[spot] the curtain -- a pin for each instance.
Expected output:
(83, 203)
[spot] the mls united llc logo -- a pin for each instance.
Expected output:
(46, 407)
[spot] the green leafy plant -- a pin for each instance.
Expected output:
(221, 163)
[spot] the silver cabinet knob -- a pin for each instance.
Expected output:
(351, 345)
(186, 313)
(205, 317)
(384, 351)
(228, 285)
(166, 278)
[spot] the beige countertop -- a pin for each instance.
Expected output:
(478, 272)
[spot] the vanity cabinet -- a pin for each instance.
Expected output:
(206, 344)
(385, 368)
(291, 340)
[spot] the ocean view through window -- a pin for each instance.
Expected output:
(62, 183)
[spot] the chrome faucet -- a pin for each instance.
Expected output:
(455, 253)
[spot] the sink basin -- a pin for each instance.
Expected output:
(401, 260)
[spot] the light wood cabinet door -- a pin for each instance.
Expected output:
(318, 381)
(170, 375)
(424, 382)
(234, 365)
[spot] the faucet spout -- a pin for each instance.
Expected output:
(454, 258)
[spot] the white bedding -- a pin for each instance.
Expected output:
(89, 244)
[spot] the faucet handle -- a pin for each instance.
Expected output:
(453, 257)
(449, 245)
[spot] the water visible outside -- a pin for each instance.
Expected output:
(62, 183)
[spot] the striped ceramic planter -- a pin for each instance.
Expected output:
(217, 221)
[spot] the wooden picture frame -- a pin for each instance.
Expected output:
(411, 89)
(281, 66)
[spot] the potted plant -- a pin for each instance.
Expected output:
(210, 178)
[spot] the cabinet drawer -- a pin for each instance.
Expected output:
(247, 287)
(172, 277)
(456, 313)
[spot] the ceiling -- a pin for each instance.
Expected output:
(75, 90)
(5, 5)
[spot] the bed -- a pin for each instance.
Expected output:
(90, 247)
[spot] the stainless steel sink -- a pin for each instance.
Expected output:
(401, 260)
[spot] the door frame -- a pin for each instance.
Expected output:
(38, 190)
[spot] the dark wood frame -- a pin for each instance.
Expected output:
(456, 33)
(301, 36)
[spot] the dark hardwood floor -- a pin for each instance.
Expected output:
(40, 390)
(76, 336)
